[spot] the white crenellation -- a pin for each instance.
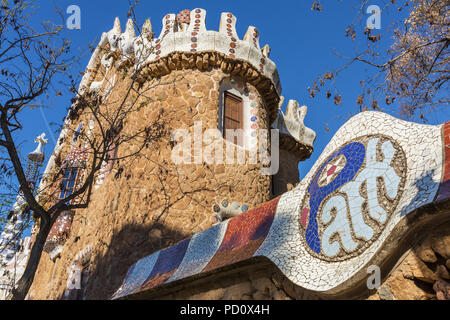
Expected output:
(169, 25)
(126, 42)
(166, 40)
(142, 44)
(266, 51)
(198, 21)
(193, 37)
(227, 23)
(114, 34)
(292, 123)
(147, 28)
(252, 37)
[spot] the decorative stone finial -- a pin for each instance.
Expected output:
(228, 24)
(129, 30)
(41, 140)
(38, 153)
(169, 25)
(252, 37)
(117, 28)
(142, 45)
(126, 43)
(266, 51)
(113, 35)
(291, 123)
(198, 19)
(147, 28)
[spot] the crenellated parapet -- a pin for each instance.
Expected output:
(188, 34)
(294, 135)
(185, 43)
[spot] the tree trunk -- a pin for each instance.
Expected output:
(24, 284)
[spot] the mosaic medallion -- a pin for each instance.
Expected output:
(351, 197)
(332, 170)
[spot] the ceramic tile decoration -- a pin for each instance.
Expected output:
(346, 172)
(58, 234)
(228, 242)
(197, 254)
(292, 123)
(15, 267)
(374, 173)
(76, 158)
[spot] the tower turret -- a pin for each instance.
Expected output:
(205, 101)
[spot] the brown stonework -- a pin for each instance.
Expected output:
(147, 203)
(206, 61)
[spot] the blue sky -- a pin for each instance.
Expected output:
(302, 41)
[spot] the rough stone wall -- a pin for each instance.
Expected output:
(147, 203)
(423, 271)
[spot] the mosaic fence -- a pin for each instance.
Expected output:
(374, 172)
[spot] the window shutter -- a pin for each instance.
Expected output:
(233, 114)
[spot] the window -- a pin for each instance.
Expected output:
(233, 115)
(237, 112)
(72, 170)
(68, 182)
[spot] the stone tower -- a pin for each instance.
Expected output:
(165, 176)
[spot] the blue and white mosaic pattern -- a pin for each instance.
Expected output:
(285, 244)
(336, 201)
(137, 274)
(198, 254)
